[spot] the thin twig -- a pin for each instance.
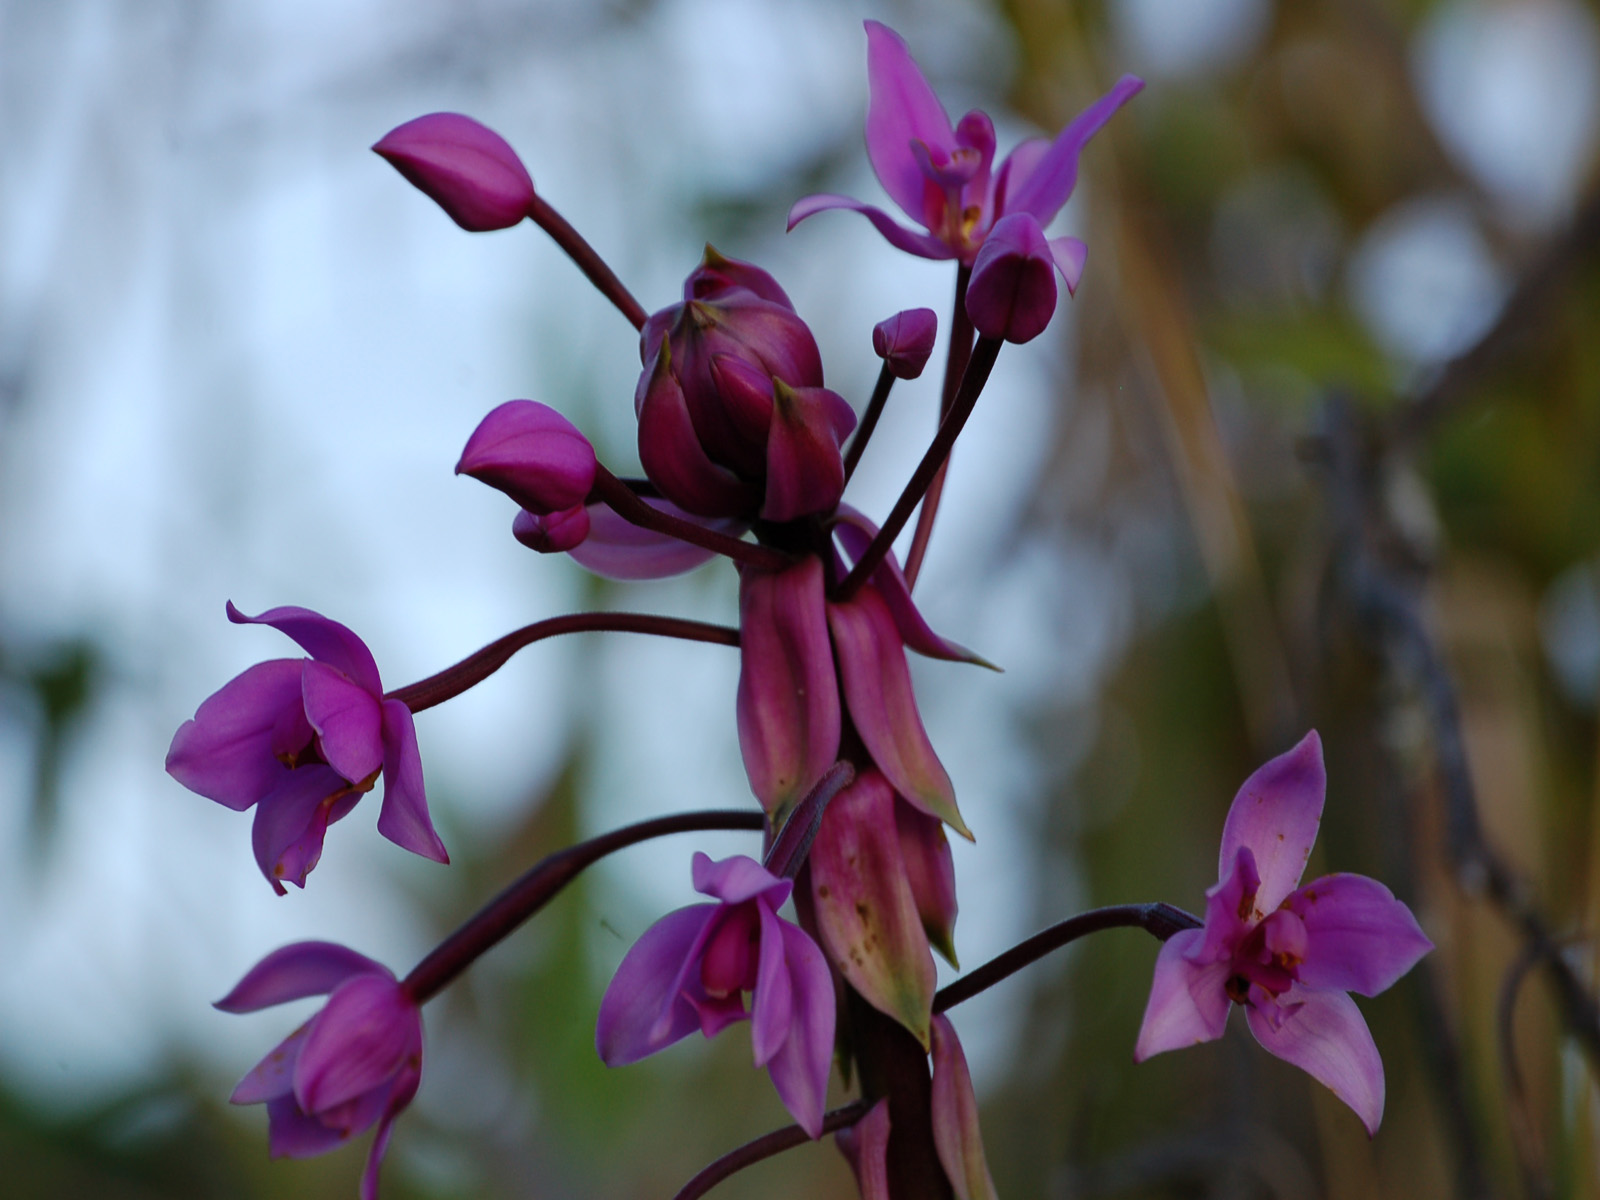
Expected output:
(869, 421)
(589, 262)
(765, 1147)
(1524, 1129)
(622, 500)
(955, 366)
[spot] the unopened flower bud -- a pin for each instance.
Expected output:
(551, 533)
(466, 167)
(1012, 293)
(905, 341)
(533, 454)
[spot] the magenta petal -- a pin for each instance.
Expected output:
(931, 874)
(289, 825)
(674, 459)
(405, 1089)
(533, 454)
(1069, 255)
(1276, 814)
(292, 1133)
(905, 341)
(226, 753)
(738, 878)
(1359, 938)
(551, 533)
(865, 1146)
(1044, 189)
(799, 1069)
(1327, 1038)
(356, 1043)
(326, 641)
(901, 108)
(347, 719)
(273, 1076)
(956, 1136)
(772, 1004)
(877, 691)
(805, 472)
(1232, 908)
(404, 818)
(1012, 293)
(718, 274)
(465, 167)
(923, 245)
(1188, 1004)
(788, 700)
(295, 971)
(642, 1010)
(618, 549)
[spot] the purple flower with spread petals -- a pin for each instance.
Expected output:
(941, 176)
(302, 739)
(356, 1063)
(690, 971)
(1288, 955)
(466, 168)
(905, 341)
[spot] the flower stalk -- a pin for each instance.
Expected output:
(955, 367)
(589, 262)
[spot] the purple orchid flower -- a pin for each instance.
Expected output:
(941, 176)
(690, 969)
(302, 739)
(1288, 955)
(356, 1063)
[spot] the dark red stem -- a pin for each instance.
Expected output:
(537, 886)
(972, 381)
(589, 262)
(1160, 920)
(766, 1146)
(955, 366)
(620, 498)
(477, 667)
(869, 421)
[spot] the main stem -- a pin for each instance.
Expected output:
(972, 381)
(537, 886)
(620, 498)
(477, 667)
(589, 262)
(955, 367)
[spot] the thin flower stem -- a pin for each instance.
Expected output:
(537, 886)
(622, 500)
(869, 420)
(972, 381)
(589, 262)
(477, 667)
(765, 1146)
(955, 367)
(1160, 920)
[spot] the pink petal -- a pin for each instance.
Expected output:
(931, 874)
(533, 454)
(1045, 189)
(289, 825)
(865, 1146)
(877, 691)
(738, 878)
(273, 1076)
(799, 1069)
(901, 108)
(405, 1088)
(326, 641)
(1069, 255)
(227, 752)
(923, 245)
(347, 719)
(292, 1133)
(788, 700)
(404, 818)
(643, 1010)
(772, 1005)
(1232, 909)
(466, 168)
(956, 1136)
(295, 971)
(1276, 815)
(356, 1043)
(1326, 1037)
(1359, 938)
(866, 915)
(618, 549)
(1187, 1003)
(1012, 293)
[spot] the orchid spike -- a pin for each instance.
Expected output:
(533, 454)
(356, 1063)
(464, 166)
(301, 740)
(690, 971)
(905, 341)
(942, 176)
(1288, 955)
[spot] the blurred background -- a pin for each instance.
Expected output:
(1317, 444)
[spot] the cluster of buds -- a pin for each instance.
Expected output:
(746, 454)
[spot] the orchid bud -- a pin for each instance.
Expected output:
(551, 533)
(468, 169)
(805, 472)
(671, 452)
(905, 341)
(533, 454)
(1012, 293)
